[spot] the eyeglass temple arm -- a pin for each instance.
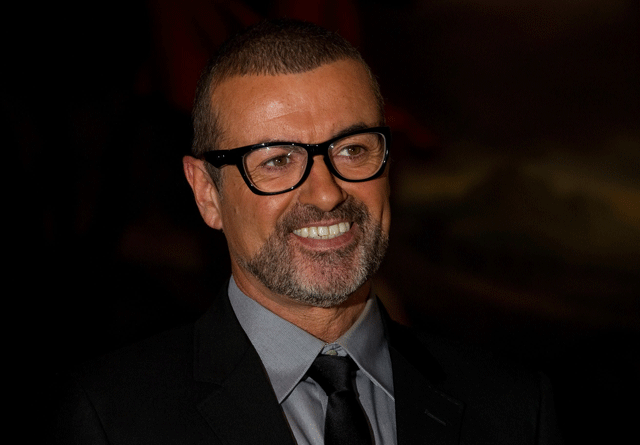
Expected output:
(220, 158)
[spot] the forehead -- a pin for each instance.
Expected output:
(303, 107)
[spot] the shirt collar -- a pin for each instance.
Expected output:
(287, 351)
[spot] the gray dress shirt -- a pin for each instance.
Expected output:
(287, 352)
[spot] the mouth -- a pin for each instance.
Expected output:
(323, 232)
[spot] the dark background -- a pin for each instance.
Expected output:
(515, 173)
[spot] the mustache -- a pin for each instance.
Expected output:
(301, 215)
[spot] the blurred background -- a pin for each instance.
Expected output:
(515, 171)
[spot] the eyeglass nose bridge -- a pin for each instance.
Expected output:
(314, 150)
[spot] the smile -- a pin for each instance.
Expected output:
(323, 232)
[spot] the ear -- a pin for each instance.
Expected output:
(204, 191)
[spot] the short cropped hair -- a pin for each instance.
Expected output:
(271, 47)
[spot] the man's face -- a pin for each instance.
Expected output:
(270, 253)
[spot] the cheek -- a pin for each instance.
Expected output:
(387, 207)
(250, 222)
(380, 208)
(375, 195)
(385, 219)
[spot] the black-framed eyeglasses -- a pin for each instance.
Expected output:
(272, 168)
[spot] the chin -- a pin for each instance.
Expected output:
(331, 291)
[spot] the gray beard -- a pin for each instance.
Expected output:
(321, 279)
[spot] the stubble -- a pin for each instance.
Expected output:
(326, 278)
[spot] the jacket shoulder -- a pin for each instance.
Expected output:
(146, 390)
(503, 401)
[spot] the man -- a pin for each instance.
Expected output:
(290, 162)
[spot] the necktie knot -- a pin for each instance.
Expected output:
(333, 373)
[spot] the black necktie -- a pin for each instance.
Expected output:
(345, 422)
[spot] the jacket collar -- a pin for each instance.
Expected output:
(242, 405)
(424, 414)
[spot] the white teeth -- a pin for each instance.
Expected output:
(323, 232)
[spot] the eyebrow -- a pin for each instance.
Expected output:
(343, 132)
(350, 129)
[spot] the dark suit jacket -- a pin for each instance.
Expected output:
(205, 384)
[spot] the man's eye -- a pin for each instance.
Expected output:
(278, 161)
(351, 150)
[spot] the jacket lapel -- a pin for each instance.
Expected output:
(424, 414)
(243, 406)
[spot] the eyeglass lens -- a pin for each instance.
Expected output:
(278, 168)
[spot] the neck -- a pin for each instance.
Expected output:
(326, 324)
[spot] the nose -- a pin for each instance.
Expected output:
(320, 188)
